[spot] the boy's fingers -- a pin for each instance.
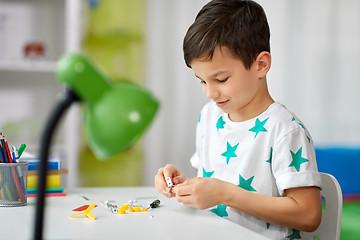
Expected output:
(188, 181)
(179, 179)
(182, 189)
(168, 173)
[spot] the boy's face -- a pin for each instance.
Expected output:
(236, 90)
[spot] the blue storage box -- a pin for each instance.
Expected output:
(344, 164)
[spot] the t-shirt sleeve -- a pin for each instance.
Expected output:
(294, 162)
(194, 160)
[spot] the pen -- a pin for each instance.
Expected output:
(21, 149)
(15, 154)
(19, 170)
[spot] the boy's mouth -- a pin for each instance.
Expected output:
(221, 104)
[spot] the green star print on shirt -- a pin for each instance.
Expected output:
(270, 158)
(294, 235)
(246, 184)
(230, 152)
(207, 174)
(220, 210)
(220, 123)
(259, 127)
(297, 159)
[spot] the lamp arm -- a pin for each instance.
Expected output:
(68, 98)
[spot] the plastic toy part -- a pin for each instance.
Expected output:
(169, 184)
(82, 208)
(137, 209)
(124, 207)
(121, 211)
(87, 212)
(131, 207)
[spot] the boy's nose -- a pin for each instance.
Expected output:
(211, 92)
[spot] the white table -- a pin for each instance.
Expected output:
(171, 220)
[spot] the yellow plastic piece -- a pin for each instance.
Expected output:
(87, 212)
(131, 210)
(121, 211)
(125, 207)
(144, 209)
(137, 209)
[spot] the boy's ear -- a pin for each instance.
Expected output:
(263, 61)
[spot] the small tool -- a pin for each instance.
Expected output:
(154, 204)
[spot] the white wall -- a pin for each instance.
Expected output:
(315, 52)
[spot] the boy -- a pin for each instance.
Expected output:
(256, 161)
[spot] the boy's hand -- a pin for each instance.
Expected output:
(168, 171)
(200, 192)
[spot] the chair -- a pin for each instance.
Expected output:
(330, 225)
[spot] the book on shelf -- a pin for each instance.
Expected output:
(34, 162)
(52, 181)
(49, 192)
(49, 172)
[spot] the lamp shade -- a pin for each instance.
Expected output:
(116, 114)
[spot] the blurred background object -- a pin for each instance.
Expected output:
(114, 36)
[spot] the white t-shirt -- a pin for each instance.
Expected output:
(267, 154)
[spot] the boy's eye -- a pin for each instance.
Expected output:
(223, 80)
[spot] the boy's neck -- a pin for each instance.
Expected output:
(257, 106)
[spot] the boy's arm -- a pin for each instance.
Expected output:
(299, 209)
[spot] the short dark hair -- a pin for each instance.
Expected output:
(240, 25)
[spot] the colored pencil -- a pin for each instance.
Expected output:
(3, 148)
(8, 192)
(2, 182)
(8, 151)
(2, 154)
(17, 183)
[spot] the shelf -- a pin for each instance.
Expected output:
(32, 34)
(28, 66)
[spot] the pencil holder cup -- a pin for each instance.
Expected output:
(13, 184)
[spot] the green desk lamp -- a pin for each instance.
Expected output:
(115, 115)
